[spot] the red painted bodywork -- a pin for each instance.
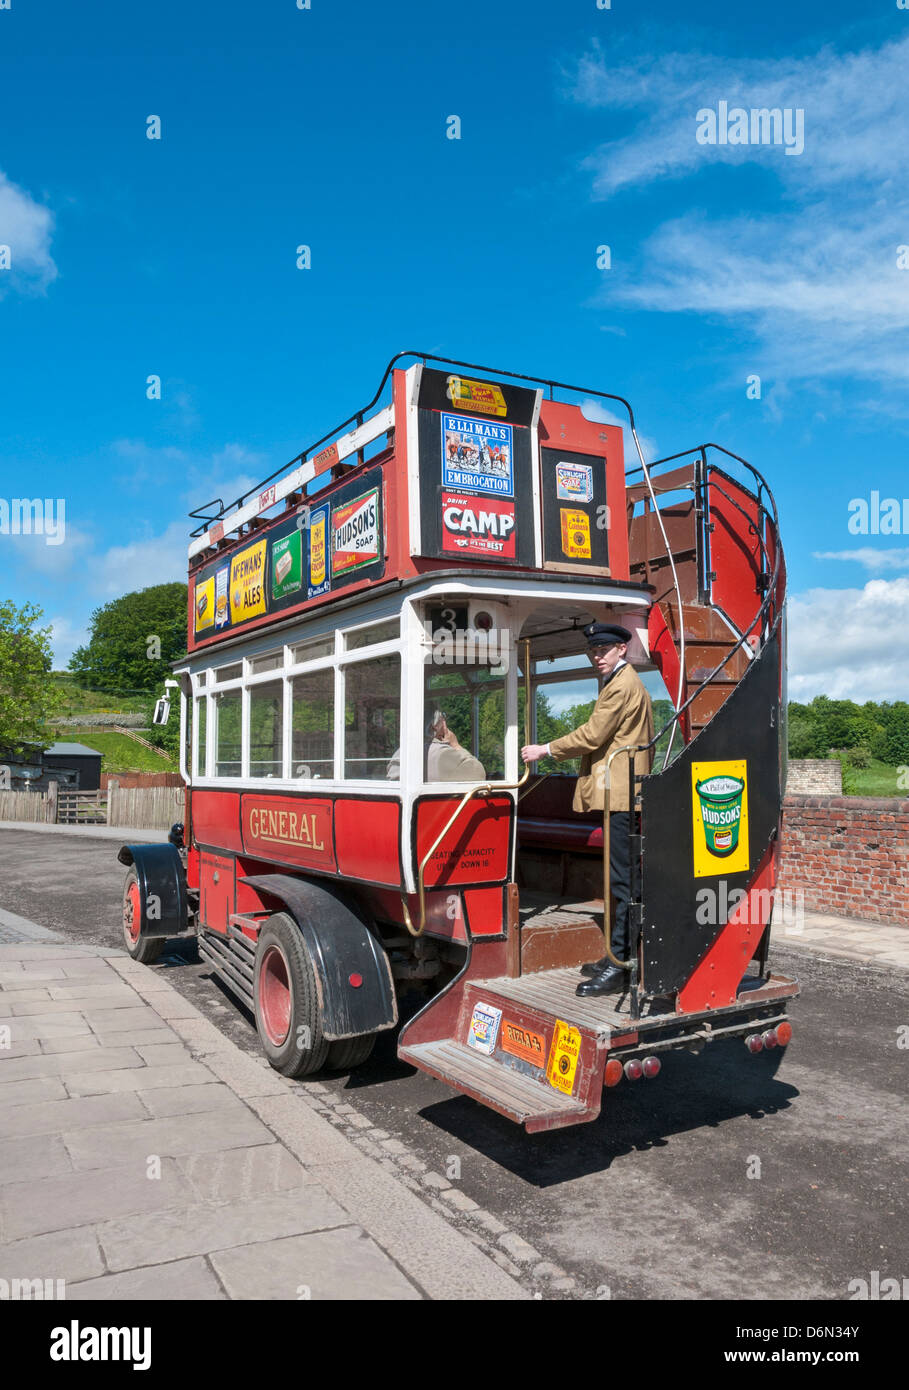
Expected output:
(475, 849)
(564, 427)
(368, 839)
(715, 982)
(289, 829)
(735, 551)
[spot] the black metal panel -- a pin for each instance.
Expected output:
(162, 888)
(340, 945)
(563, 506)
(747, 727)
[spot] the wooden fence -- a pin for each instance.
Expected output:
(143, 808)
(146, 808)
(24, 806)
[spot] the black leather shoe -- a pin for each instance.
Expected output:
(595, 967)
(609, 981)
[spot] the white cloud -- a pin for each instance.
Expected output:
(142, 563)
(25, 227)
(895, 558)
(817, 279)
(855, 106)
(850, 643)
(822, 295)
(65, 638)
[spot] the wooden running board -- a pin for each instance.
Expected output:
(519, 1097)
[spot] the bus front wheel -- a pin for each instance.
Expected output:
(288, 1016)
(144, 949)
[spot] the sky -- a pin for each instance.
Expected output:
(580, 127)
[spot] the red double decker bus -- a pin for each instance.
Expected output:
(373, 634)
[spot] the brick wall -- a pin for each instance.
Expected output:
(815, 777)
(142, 779)
(849, 855)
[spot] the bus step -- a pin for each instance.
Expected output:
(521, 1098)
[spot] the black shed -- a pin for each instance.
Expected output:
(85, 762)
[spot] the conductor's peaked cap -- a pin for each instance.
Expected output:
(606, 634)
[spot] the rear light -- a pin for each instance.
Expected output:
(783, 1033)
(754, 1042)
(634, 1070)
(614, 1071)
(769, 1038)
(652, 1066)
(355, 979)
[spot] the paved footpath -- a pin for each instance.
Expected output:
(143, 1155)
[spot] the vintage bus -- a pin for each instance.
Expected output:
(373, 635)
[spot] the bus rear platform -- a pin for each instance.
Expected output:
(529, 1048)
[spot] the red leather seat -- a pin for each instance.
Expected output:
(546, 820)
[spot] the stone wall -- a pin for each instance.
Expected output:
(815, 777)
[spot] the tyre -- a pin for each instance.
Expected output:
(348, 1053)
(288, 1016)
(144, 949)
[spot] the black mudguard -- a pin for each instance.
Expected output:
(162, 888)
(340, 945)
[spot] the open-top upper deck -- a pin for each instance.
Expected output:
(457, 470)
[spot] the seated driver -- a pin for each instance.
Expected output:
(446, 760)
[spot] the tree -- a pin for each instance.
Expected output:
(133, 641)
(27, 695)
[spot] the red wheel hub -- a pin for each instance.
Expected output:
(132, 912)
(275, 997)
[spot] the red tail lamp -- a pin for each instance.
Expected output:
(634, 1070)
(355, 979)
(769, 1038)
(783, 1033)
(614, 1071)
(652, 1066)
(754, 1042)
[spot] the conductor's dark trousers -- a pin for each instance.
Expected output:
(620, 879)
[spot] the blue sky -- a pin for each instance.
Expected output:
(327, 127)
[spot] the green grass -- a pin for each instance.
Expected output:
(76, 701)
(119, 753)
(880, 779)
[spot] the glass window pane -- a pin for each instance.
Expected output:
(464, 724)
(266, 730)
(313, 725)
(274, 661)
(229, 673)
(369, 636)
(201, 721)
(372, 719)
(313, 649)
(561, 707)
(228, 722)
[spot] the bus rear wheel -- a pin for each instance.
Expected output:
(288, 1017)
(347, 1053)
(144, 949)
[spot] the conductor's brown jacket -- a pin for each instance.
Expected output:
(622, 715)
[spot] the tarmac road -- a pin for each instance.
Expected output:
(715, 1180)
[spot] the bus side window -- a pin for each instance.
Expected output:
(228, 725)
(372, 719)
(313, 725)
(266, 729)
(201, 711)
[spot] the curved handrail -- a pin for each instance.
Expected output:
(769, 597)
